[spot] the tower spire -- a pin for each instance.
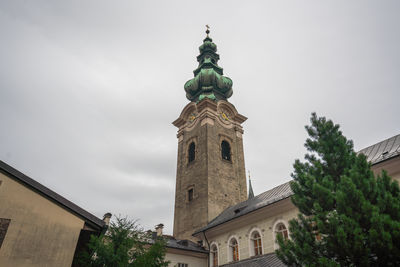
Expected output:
(251, 193)
(208, 78)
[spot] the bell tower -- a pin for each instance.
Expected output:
(210, 167)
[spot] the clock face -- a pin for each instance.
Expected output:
(192, 117)
(225, 114)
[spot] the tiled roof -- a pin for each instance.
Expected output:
(51, 195)
(270, 260)
(185, 245)
(384, 150)
(264, 199)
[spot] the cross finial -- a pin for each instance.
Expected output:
(208, 29)
(248, 173)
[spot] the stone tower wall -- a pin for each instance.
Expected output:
(217, 183)
(226, 179)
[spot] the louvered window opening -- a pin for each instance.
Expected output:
(192, 152)
(226, 150)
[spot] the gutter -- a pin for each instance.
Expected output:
(208, 244)
(383, 160)
(187, 249)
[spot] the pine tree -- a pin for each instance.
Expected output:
(348, 217)
(124, 244)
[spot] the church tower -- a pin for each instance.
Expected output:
(210, 171)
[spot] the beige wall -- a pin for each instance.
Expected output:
(392, 167)
(40, 233)
(176, 256)
(263, 221)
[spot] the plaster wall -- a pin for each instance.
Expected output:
(192, 261)
(262, 223)
(391, 166)
(265, 222)
(40, 233)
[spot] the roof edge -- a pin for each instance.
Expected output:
(51, 195)
(188, 249)
(231, 219)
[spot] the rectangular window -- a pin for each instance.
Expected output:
(215, 258)
(183, 265)
(4, 223)
(257, 246)
(235, 253)
(190, 194)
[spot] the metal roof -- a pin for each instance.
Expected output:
(383, 150)
(376, 153)
(51, 195)
(270, 260)
(184, 245)
(264, 199)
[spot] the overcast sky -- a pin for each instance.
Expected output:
(88, 89)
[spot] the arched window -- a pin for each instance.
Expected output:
(214, 255)
(233, 250)
(255, 244)
(226, 150)
(191, 152)
(280, 229)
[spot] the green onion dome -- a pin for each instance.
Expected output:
(208, 78)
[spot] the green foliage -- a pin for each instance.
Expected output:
(124, 244)
(348, 216)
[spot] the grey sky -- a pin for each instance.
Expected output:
(88, 89)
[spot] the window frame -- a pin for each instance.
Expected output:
(190, 194)
(212, 255)
(190, 151)
(274, 231)
(231, 253)
(223, 152)
(252, 247)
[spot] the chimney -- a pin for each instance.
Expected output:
(106, 218)
(159, 229)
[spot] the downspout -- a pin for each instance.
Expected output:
(208, 244)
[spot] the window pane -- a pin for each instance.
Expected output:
(234, 250)
(257, 243)
(226, 150)
(190, 194)
(192, 152)
(282, 231)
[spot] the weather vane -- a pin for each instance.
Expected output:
(208, 29)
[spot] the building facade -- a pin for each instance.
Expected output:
(211, 203)
(38, 227)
